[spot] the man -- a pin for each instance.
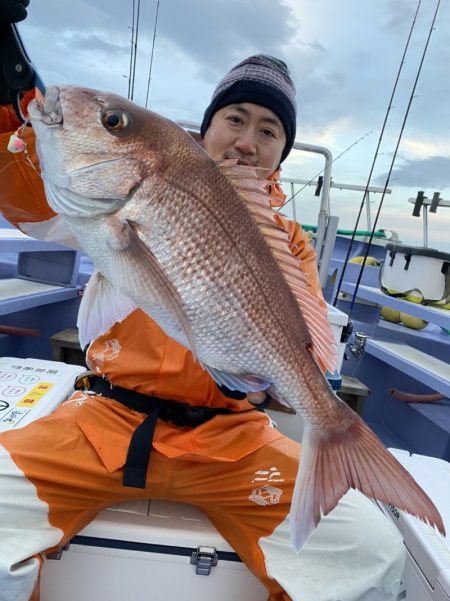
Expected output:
(60, 471)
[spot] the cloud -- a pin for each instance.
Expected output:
(399, 16)
(201, 38)
(314, 45)
(419, 148)
(56, 17)
(431, 172)
(218, 33)
(93, 42)
(213, 32)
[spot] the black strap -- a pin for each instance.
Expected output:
(181, 414)
(138, 456)
(130, 398)
(177, 412)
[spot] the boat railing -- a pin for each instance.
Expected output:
(327, 224)
(427, 205)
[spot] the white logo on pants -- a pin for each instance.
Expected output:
(110, 350)
(266, 495)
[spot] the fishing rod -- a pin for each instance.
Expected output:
(133, 75)
(395, 154)
(151, 56)
(131, 49)
(380, 138)
(322, 170)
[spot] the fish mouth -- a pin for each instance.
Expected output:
(47, 111)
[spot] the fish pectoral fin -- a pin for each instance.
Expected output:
(101, 306)
(241, 382)
(137, 262)
(333, 462)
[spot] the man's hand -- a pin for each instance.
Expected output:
(13, 11)
(259, 399)
(256, 398)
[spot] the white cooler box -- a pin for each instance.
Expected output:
(149, 551)
(427, 572)
(416, 273)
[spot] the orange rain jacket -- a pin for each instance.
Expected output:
(136, 354)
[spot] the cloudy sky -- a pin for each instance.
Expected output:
(344, 56)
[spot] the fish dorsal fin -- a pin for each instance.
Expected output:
(253, 190)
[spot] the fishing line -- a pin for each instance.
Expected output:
(395, 155)
(322, 170)
(29, 162)
(380, 138)
(7, 165)
(151, 57)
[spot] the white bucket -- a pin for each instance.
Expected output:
(417, 274)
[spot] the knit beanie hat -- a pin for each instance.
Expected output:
(262, 80)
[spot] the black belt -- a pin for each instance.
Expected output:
(180, 414)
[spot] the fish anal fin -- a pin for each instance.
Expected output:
(355, 458)
(241, 382)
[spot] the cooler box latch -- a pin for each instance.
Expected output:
(204, 559)
(58, 553)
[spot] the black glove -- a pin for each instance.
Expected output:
(13, 11)
(13, 81)
(240, 396)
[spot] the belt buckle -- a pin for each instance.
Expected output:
(177, 415)
(85, 381)
(198, 415)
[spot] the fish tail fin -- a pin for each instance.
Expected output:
(332, 462)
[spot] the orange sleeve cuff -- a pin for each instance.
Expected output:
(22, 196)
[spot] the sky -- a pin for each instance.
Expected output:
(344, 57)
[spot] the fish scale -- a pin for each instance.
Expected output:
(213, 271)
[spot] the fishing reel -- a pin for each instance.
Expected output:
(358, 345)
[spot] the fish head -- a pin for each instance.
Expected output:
(95, 149)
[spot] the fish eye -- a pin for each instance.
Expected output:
(115, 120)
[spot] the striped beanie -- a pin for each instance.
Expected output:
(262, 80)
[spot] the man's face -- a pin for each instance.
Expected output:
(249, 132)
